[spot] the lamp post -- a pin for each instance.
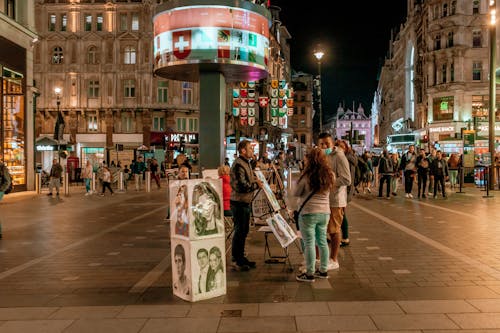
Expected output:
(57, 91)
(319, 54)
(492, 92)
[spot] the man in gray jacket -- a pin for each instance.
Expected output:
(338, 195)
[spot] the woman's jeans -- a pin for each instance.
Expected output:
(87, 184)
(453, 176)
(313, 230)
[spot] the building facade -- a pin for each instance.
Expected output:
(355, 127)
(302, 120)
(17, 93)
(442, 55)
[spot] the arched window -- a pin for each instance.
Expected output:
(437, 42)
(453, 8)
(129, 55)
(475, 6)
(57, 55)
(92, 55)
(445, 10)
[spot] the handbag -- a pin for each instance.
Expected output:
(296, 213)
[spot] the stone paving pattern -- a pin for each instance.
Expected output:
(102, 264)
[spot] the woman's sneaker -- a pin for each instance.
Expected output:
(321, 275)
(332, 265)
(305, 278)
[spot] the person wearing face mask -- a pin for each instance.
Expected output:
(338, 195)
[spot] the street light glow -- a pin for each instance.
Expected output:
(493, 18)
(319, 55)
(57, 90)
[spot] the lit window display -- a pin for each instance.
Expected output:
(12, 130)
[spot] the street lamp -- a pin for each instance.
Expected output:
(491, 118)
(319, 54)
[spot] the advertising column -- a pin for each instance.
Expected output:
(197, 239)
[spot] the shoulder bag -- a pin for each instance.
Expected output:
(296, 213)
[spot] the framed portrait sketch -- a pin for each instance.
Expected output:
(182, 285)
(268, 191)
(179, 209)
(206, 208)
(281, 229)
(208, 261)
(210, 173)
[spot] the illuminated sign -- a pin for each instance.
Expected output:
(45, 148)
(398, 124)
(187, 137)
(442, 129)
(486, 128)
(211, 34)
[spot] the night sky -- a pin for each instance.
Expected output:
(355, 38)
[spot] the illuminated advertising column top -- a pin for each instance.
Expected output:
(223, 36)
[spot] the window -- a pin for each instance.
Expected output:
(129, 55)
(476, 38)
(181, 124)
(453, 8)
(127, 124)
(475, 6)
(187, 93)
(123, 22)
(437, 42)
(92, 125)
(303, 110)
(193, 124)
(477, 67)
(99, 21)
(435, 12)
(52, 22)
(443, 73)
(129, 88)
(87, 26)
(452, 72)
(158, 123)
(57, 55)
(445, 10)
(442, 108)
(93, 89)
(450, 39)
(10, 8)
(64, 22)
(162, 92)
(135, 22)
(92, 56)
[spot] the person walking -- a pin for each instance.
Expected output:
(453, 165)
(338, 195)
(385, 171)
(315, 183)
(396, 174)
(409, 168)
(138, 171)
(153, 167)
(106, 180)
(422, 173)
(55, 177)
(87, 177)
(224, 172)
(439, 169)
(350, 154)
(243, 184)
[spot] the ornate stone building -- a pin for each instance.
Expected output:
(441, 54)
(302, 119)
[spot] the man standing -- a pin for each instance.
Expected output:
(385, 171)
(243, 184)
(409, 167)
(338, 195)
(202, 256)
(439, 169)
(55, 177)
(138, 171)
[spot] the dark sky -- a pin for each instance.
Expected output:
(355, 37)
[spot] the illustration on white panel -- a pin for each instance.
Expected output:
(179, 208)
(206, 208)
(181, 270)
(209, 268)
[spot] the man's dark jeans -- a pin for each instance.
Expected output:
(409, 174)
(439, 179)
(241, 222)
(387, 179)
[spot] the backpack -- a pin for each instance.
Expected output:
(4, 171)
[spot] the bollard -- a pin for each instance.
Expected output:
(38, 184)
(148, 181)
(92, 183)
(120, 182)
(66, 184)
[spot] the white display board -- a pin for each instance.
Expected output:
(281, 229)
(197, 210)
(268, 191)
(210, 173)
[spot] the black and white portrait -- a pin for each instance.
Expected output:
(181, 272)
(209, 268)
(206, 210)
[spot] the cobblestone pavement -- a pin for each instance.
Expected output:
(102, 264)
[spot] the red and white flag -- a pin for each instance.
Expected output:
(181, 43)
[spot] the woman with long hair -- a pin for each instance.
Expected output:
(317, 179)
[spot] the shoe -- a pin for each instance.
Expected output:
(410, 195)
(112, 193)
(102, 194)
(434, 196)
(321, 275)
(251, 264)
(345, 242)
(241, 268)
(388, 198)
(332, 265)
(407, 195)
(50, 194)
(87, 194)
(394, 193)
(305, 278)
